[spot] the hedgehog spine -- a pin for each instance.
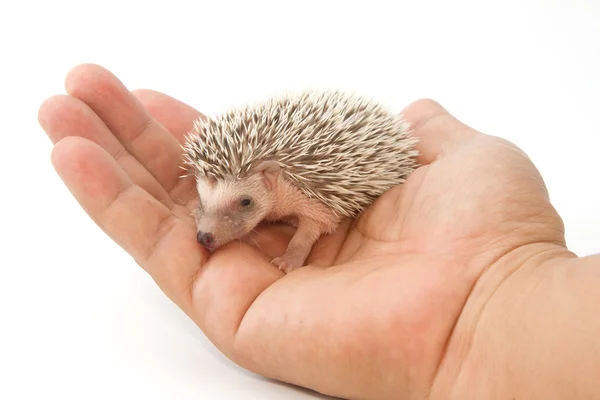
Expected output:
(340, 148)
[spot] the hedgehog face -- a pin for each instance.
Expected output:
(229, 209)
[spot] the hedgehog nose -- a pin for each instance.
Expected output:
(206, 239)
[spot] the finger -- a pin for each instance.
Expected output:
(225, 289)
(437, 131)
(176, 116)
(270, 238)
(143, 137)
(159, 242)
(61, 116)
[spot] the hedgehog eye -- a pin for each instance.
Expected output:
(245, 202)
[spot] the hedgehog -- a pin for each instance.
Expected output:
(309, 159)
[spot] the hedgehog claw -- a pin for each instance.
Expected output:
(286, 263)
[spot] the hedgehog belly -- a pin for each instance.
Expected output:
(293, 205)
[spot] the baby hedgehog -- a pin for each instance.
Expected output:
(309, 159)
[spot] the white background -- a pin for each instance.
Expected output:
(79, 320)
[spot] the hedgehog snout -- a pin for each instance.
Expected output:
(206, 239)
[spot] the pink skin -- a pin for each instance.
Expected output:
(230, 209)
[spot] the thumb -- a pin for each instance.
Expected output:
(437, 131)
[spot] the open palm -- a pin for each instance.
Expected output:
(375, 312)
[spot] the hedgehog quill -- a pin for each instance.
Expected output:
(309, 159)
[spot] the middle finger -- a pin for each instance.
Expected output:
(61, 116)
(143, 137)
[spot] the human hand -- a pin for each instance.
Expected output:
(384, 302)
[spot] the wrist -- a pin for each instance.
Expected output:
(528, 330)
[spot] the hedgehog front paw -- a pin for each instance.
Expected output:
(288, 262)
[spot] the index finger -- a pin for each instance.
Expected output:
(161, 243)
(214, 292)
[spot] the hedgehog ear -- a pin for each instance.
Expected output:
(211, 180)
(270, 171)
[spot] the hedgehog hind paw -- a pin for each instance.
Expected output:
(288, 263)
